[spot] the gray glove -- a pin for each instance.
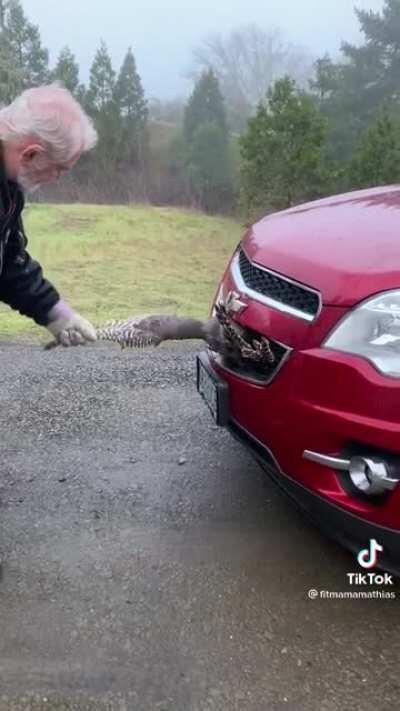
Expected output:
(68, 327)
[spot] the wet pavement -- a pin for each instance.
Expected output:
(150, 565)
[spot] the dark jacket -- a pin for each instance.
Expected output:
(22, 285)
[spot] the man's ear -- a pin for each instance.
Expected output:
(30, 152)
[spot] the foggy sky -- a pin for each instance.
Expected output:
(162, 33)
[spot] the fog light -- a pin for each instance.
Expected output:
(369, 476)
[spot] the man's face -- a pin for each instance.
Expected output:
(37, 169)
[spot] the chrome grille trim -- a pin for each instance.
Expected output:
(269, 301)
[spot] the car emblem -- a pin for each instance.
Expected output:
(233, 304)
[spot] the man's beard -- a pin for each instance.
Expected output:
(25, 180)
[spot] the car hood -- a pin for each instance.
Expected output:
(347, 246)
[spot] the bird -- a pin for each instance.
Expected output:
(222, 334)
(144, 331)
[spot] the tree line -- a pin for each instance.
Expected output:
(341, 132)
(266, 126)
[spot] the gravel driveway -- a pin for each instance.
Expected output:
(150, 565)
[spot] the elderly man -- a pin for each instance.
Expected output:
(42, 135)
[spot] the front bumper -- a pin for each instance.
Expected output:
(281, 420)
(352, 532)
(315, 403)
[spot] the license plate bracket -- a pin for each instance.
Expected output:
(213, 390)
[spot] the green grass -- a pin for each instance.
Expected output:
(112, 262)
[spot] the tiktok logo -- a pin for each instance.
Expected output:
(368, 557)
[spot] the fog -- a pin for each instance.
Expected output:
(163, 34)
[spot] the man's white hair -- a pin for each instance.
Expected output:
(51, 116)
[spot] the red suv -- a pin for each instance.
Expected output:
(320, 284)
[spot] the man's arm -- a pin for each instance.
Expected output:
(22, 284)
(23, 287)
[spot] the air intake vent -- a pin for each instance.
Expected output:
(279, 289)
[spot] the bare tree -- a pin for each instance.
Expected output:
(247, 62)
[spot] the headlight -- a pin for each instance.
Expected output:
(372, 331)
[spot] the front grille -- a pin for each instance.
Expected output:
(258, 372)
(278, 288)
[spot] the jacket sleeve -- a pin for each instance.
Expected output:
(22, 285)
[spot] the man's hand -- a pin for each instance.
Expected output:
(68, 327)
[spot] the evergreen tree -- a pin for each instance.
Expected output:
(17, 31)
(377, 159)
(11, 77)
(37, 59)
(129, 91)
(209, 168)
(102, 81)
(373, 68)
(282, 151)
(67, 70)
(101, 104)
(207, 145)
(205, 105)
(352, 92)
(132, 105)
(25, 47)
(326, 80)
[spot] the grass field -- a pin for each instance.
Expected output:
(112, 262)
